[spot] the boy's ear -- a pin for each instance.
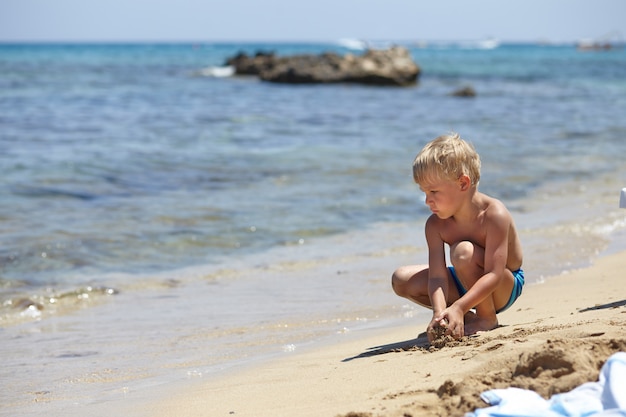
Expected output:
(465, 182)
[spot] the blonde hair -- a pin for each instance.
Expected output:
(447, 157)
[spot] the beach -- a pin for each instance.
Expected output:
(171, 239)
(555, 337)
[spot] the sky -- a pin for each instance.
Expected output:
(313, 20)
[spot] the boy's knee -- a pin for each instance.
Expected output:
(461, 253)
(398, 280)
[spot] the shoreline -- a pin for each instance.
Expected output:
(390, 372)
(131, 365)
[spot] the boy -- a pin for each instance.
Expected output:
(485, 250)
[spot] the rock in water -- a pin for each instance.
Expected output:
(393, 67)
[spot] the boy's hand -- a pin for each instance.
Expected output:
(436, 329)
(454, 318)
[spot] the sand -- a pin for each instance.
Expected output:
(554, 338)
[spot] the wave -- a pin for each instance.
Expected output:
(218, 72)
(20, 305)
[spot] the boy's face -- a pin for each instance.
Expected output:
(443, 196)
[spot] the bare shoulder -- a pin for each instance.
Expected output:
(437, 229)
(495, 207)
(432, 220)
(433, 224)
(496, 212)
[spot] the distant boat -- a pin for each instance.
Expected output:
(487, 43)
(610, 41)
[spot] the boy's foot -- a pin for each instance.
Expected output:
(475, 324)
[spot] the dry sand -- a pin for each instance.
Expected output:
(555, 337)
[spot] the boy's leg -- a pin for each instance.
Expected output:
(468, 261)
(411, 282)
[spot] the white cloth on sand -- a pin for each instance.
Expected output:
(604, 398)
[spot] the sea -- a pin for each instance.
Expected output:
(164, 221)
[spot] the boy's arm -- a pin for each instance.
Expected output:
(496, 252)
(437, 271)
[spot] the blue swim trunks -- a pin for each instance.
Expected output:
(517, 287)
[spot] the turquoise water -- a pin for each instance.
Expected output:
(158, 224)
(118, 159)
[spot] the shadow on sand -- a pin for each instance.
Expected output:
(420, 343)
(615, 304)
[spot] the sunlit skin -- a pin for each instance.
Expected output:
(484, 249)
